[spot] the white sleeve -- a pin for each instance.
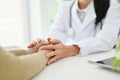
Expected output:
(58, 29)
(107, 37)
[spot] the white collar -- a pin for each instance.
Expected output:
(90, 15)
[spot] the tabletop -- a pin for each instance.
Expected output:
(78, 68)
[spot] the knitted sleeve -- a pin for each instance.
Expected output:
(23, 67)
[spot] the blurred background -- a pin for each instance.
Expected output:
(22, 21)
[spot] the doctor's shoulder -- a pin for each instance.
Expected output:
(114, 6)
(114, 2)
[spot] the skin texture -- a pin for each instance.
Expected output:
(57, 48)
(83, 3)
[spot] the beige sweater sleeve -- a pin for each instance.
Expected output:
(18, 52)
(20, 67)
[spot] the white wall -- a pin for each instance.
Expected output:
(11, 25)
(48, 10)
(35, 18)
(22, 21)
(41, 13)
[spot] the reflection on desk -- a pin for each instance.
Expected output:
(78, 68)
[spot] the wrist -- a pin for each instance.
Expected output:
(73, 50)
(29, 51)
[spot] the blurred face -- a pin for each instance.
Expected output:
(84, 1)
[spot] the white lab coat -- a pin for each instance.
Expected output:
(88, 38)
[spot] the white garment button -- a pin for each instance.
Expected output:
(71, 32)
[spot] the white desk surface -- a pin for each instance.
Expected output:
(78, 68)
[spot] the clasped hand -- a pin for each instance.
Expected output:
(55, 49)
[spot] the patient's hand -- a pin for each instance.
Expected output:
(34, 46)
(45, 51)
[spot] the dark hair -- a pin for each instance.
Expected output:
(101, 8)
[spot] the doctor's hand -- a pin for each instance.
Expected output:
(59, 50)
(35, 45)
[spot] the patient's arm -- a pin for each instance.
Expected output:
(20, 68)
(21, 52)
(18, 52)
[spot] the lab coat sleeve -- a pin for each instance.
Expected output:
(58, 29)
(105, 39)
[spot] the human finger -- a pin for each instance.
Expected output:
(51, 54)
(48, 47)
(54, 41)
(34, 43)
(29, 46)
(48, 39)
(53, 59)
(43, 42)
(39, 40)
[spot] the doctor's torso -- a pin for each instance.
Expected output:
(82, 30)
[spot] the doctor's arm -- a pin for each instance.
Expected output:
(105, 39)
